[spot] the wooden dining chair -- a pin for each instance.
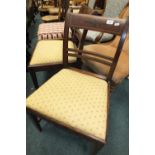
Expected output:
(76, 99)
(47, 54)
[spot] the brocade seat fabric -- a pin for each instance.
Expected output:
(50, 18)
(73, 99)
(53, 10)
(51, 31)
(50, 52)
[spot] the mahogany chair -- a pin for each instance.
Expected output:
(76, 99)
(47, 54)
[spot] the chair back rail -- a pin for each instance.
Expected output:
(102, 24)
(96, 23)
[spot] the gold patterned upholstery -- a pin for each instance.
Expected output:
(49, 52)
(74, 99)
(122, 68)
(50, 18)
(44, 8)
(53, 10)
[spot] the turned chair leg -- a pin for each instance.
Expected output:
(97, 148)
(36, 122)
(34, 79)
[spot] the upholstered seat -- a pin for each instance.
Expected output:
(51, 31)
(50, 18)
(49, 52)
(45, 8)
(74, 99)
(53, 10)
(122, 68)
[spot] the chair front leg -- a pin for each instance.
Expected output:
(97, 148)
(34, 78)
(36, 122)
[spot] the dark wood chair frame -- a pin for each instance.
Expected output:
(88, 22)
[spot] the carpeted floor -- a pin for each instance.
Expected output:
(56, 141)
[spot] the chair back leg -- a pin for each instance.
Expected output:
(97, 148)
(34, 79)
(36, 122)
